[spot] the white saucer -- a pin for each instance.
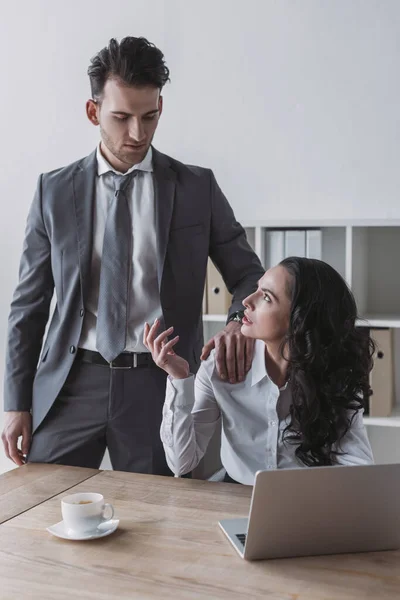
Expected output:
(106, 528)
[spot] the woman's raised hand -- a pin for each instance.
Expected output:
(162, 351)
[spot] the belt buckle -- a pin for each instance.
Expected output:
(134, 365)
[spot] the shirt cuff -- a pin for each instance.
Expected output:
(180, 392)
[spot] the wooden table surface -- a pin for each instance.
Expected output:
(168, 545)
(28, 486)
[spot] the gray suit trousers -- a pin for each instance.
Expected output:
(99, 407)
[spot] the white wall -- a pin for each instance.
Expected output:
(293, 103)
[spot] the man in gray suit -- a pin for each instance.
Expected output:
(123, 237)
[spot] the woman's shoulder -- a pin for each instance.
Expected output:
(208, 368)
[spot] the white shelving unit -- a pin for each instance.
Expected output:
(214, 318)
(367, 255)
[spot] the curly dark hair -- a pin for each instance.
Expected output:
(330, 359)
(134, 60)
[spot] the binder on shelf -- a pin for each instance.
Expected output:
(280, 244)
(274, 247)
(295, 242)
(218, 297)
(314, 243)
(382, 375)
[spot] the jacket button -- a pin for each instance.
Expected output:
(72, 349)
(81, 312)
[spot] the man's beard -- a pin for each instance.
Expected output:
(122, 156)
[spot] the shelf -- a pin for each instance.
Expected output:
(382, 421)
(215, 318)
(380, 321)
(287, 223)
(392, 421)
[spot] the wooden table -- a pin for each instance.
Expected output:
(28, 486)
(168, 546)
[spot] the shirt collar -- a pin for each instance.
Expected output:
(258, 368)
(103, 166)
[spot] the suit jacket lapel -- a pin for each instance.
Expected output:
(164, 194)
(84, 194)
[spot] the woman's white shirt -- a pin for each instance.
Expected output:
(254, 414)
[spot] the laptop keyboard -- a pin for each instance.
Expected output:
(241, 537)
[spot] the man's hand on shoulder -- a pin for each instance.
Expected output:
(17, 424)
(233, 352)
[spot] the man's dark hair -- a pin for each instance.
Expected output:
(134, 61)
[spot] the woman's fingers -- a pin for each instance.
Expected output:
(145, 334)
(150, 331)
(167, 349)
(160, 340)
(153, 342)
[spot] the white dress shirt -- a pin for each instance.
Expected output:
(144, 298)
(254, 415)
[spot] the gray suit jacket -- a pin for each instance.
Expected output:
(193, 221)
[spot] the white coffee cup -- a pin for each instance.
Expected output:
(85, 511)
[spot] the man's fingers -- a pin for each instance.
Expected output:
(205, 353)
(240, 348)
(17, 424)
(15, 454)
(22, 457)
(220, 354)
(233, 354)
(6, 446)
(26, 441)
(230, 358)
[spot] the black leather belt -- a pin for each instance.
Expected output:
(126, 360)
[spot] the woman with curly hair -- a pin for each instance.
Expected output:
(300, 405)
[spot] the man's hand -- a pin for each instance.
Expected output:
(17, 424)
(233, 352)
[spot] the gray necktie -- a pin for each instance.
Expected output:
(114, 273)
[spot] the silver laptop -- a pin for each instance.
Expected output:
(319, 510)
